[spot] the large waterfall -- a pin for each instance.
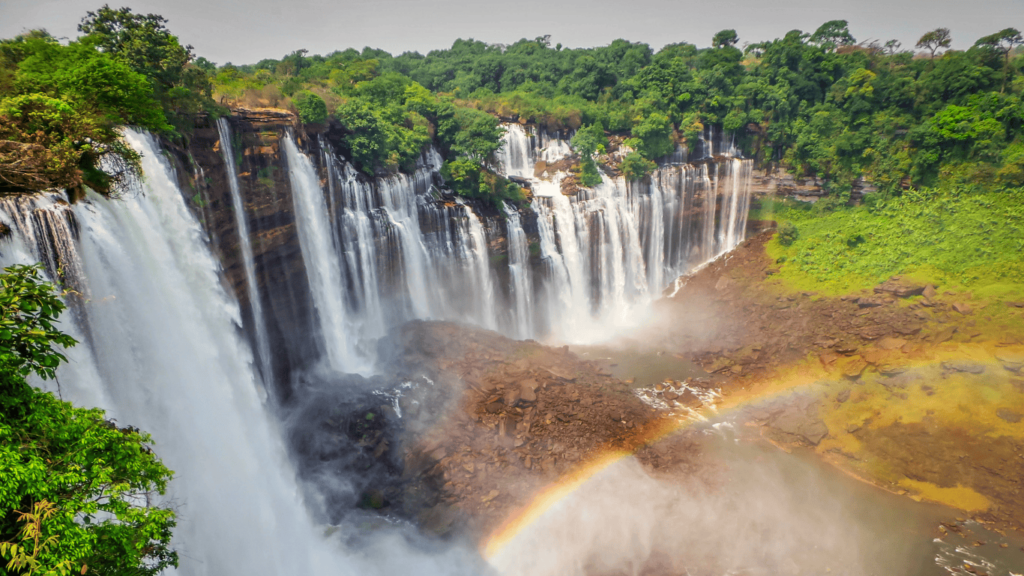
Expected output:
(163, 346)
(161, 349)
(383, 251)
(608, 251)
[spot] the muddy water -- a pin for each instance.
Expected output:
(893, 534)
(644, 368)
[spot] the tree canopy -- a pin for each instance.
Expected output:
(78, 493)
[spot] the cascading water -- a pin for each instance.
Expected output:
(404, 256)
(609, 250)
(323, 265)
(519, 273)
(162, 350)
(242, 224)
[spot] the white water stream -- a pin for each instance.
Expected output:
(242, 225)
(163, 350)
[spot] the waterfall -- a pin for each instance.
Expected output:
(168, 357)
(242, 225)
(323, 264)
(519, 273)
(609, 250)
(162, 350)
(47, 225)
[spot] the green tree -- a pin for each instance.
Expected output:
(76, 494)
(587, 141)
(634, 166)
(933, 41)
(1002, 42)
(144, 43)
(725, 38)
(61, 113)
(832, 35)
(312, 109)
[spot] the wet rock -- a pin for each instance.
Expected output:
(901, 381)
(796, 423)
(944, 334)
(961, 308)
(1008, 415)
(528, 390)
(964, 366)
(720, 364)
(899, 289)
(866, 302)
(846, 347)
(1012, 362)
(854, 368)
(890, 343)
(512, 396)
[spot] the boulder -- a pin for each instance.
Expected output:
(1008, 415)
(964, 366)
(961, 308)
(899, 289)
(1012, 362)
(865, 302)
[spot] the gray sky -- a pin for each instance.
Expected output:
(245, 32)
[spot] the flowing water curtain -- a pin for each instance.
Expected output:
(259, 331)
(47, 224)
(609, 250)
(323, 265)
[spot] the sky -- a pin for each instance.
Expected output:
(246, 32)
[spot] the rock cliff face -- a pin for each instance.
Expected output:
(779, 182)
(267, 197)
(266, 193)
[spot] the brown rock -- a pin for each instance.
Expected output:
(890, 343)
(873, 356)
(929, 292)
(961, 308)
(854, 368)
(964, 366)
(528, 390)
(944, 334)
(899, 289)
(512, 396)
(1008, 415)
(1012, 362)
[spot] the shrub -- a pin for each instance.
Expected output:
(787, 233)
(634, 166)
(312, 109)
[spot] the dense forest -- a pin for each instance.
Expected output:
(815, 103)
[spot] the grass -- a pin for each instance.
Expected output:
(953, 239)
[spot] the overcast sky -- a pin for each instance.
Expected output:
(243, 32)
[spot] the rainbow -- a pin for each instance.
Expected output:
(803, 374)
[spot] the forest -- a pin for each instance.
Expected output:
(818, 104)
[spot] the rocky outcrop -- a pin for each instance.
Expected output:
(777, 181)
